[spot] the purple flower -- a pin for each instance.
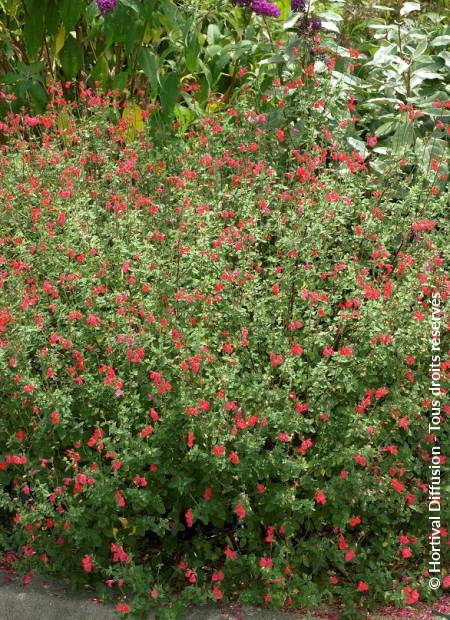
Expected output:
(261, 7)
(298, 5)
(106, 6)
(315, 23)
(265, 8)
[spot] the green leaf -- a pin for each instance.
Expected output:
(70, 11)
(420, 49)
(170, 87)
(192, 51)
(384, 54)
(38, 95)
(149, 63)
(52, 18)
(285, 8)
(70, 58)
(120, 81)
(101, 69)
(213, 34)
(409, 7)
(147, 8)
(59, 40)
(359, 146)
(441, 41)
(131, 35)
(34, 28)
(446, 56)
(130, 4)
(331, 26)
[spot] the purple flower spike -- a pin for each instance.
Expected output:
(315, 23)
(265, 8)
(261, 7)
(106, 6)
(298, 5)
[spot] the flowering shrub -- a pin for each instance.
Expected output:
(214, 354)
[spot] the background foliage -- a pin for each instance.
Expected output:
(219, 238)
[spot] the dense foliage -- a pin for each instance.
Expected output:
(221, 228)
(214, 353)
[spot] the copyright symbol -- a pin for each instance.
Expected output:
(434, 583)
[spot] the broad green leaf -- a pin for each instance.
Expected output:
(149, 63)
(120, 81)
(34, 28)
(148, 8)
(192, 50)
(38, 95)
(70, 11)
(101, 69)
(446, 56)
(52, 18)
(290, 23)
(384, 54)
(170, 88)
(359, 146)
(70, 58)
(427, 75)
(386, 128)
(409, 7)
(441, 41)
(213, 34)
(330, 16)
(130, 4)
(420, 49)
(331, 26)
(59, 40)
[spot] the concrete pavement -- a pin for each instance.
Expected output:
(43, 599)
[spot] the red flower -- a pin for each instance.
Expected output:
(207, 494)
(240, 511)
(276, 359)
(87, 563)
(218, 450)
(297, 349)
(398, 486)
(320, 497)
(360, 459)
(382, 391)
(283, 437)
(120, 499)
(362, 586)
(145, 432)
(189, 517)
(230, 553)
(234, 458)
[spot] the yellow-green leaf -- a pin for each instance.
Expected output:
(135, 122)
(59, 41)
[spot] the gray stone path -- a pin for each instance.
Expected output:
(45, 600)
